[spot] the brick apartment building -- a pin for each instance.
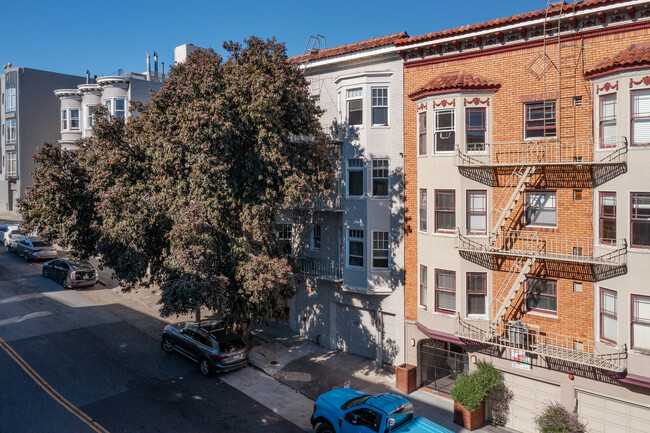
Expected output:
(527, 208)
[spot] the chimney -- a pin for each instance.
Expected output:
(87, 76)
(155, 66)
(148, 67)
(162, 78)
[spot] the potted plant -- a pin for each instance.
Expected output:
(555, 418)
(469, 393)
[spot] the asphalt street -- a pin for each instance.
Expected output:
(68, 364)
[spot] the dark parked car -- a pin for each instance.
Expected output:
(71, 273)
(33, 248)
(212, 345)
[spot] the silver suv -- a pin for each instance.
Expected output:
(213, 346)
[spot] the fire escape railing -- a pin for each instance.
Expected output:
(530, 338)
(312, 267)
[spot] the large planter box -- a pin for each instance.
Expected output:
(406, 378)
(469, 420)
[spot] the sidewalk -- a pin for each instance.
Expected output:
(312, 370)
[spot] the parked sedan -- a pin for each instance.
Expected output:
(70, 273)
(33, 248)
(11, 236)
(209, 343)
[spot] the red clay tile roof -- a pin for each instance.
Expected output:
(381, 41)
(454, 81)
(529, 16)
(634, 56)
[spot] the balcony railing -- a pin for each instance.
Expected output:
(542, 152)
(547, 246)
(530, 338)
(325, 203)
(311, 267)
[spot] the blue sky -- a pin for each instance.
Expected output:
(103, 36)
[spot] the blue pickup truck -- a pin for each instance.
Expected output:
(345, 410)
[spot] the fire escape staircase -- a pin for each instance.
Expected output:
(510, 195)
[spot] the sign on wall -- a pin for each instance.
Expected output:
(520, 359)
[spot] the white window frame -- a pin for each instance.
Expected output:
(12, 166)
(373, 106)
(544, 104)
(642, 323)
(90, 118)
(10, 99)
(355, 165)
(64, 120)
(111, 107)
(422, 135)
(387, 249)
(423, 282)
(484, 294)
(470, 212)
(316, 229)
(421, 209)
(352, 236)
(380, 169)
(10, 131)
(606, 120)
(527, 205)
(636, 117)
(604, 312)
(71, 119)
(437, 129)
(350, 96)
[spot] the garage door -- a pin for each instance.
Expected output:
(355, 332)
(527, 399)
(605, 414)
(389, 345)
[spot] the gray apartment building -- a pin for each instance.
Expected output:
(349, 245)
(28, 117)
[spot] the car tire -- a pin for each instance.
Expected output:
(167, 345)
(26, 257)
(325, 427)
(204, 367)
(46, 273)
(65, 284)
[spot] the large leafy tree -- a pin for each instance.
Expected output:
(187, 192)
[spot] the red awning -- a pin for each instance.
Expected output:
(437, 335)
(637, 380)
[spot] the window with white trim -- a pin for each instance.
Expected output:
(354, 100)
(11, 164)
(284, 233)
(380, 250)
(115, 107)
(10, 100)
(640, 118)
(316, 237)
(608, 315)
(608, 121)
(74, 119)
(355, 248)
(422, 133)
(11, 131)
(108, 104)
(380, 106)
(90, 116)
(423, 210)
(541, 208)
(541, 295)
(477, 212)
(539, 119)
(424, 291)
(355, 177)
(444, 131)
(476, 293)
(64, 120)
(380, 177)
(475, 129)
(445, 291)
(640, 322)
(640, 219)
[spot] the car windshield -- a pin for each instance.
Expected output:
(402, 415)
(40, 244)
(356, 401)
(15, 233)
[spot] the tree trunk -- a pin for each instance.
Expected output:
(198, 313)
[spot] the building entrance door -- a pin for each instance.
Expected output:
(440, 363)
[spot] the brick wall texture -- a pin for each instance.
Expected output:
(512, 70)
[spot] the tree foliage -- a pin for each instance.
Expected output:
(186, 194)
